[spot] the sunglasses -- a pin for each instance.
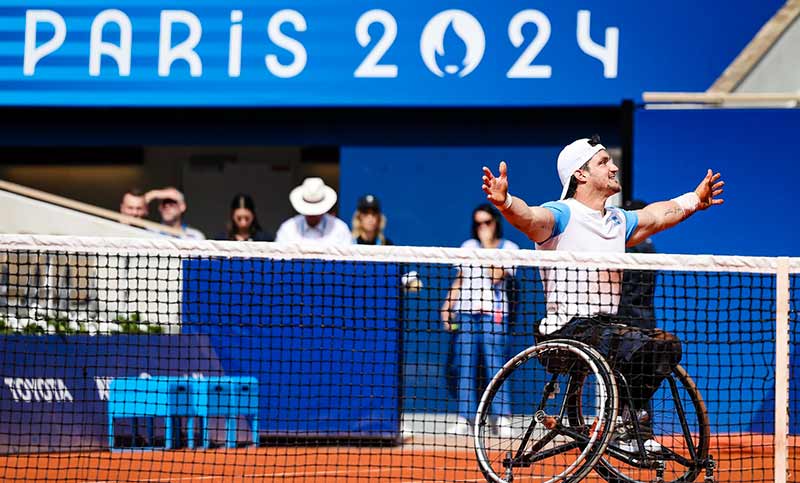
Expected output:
(481, 223)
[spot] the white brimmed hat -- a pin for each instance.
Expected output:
(572, 157)
(313, 197)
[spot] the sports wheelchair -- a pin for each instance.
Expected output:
(578, 408)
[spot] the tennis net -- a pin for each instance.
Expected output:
(161, 360)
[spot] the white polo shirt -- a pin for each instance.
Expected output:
(330, 230)
(577, 291)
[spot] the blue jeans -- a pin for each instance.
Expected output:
(476, 332)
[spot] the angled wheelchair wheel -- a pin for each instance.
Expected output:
(681, 430)
(544, 440)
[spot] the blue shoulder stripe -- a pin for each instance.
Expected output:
(631, 222)
(561, 213)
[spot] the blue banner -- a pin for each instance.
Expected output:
(322, 337)
(365, 52)
(54, 389)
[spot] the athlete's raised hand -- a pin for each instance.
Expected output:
(709, 189)
(496, 187)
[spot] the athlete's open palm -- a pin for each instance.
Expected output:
(496, 187)
(709, 190)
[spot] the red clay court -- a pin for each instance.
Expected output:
(740, 458)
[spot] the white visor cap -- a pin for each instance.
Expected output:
(572, 157)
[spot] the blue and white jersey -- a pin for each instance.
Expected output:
(583, 292)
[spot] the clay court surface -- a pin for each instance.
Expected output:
(740, 458)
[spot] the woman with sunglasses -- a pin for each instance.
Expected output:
(476, 313)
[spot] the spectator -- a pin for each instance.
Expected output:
(369, 222)
(638, 286)
(313, 200)
(172, 206)
(243, 223)
(133, 204)
(476, 310)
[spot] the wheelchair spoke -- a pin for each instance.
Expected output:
(670, 445)
(550, 441)
(568, 396)
(580, 438)
(525, 438)
(628, 458)
(687, 435)
(667, 454)
(649, 462)
(548, 391)
(529, 458)
(542, 442)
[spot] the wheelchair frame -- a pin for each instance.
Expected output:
(592, 440)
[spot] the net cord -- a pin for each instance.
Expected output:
(398, 254)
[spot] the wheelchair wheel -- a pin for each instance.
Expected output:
(680, 425)
(548, 384)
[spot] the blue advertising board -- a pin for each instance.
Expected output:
(322, 337)
(364, 52)
(54, 389)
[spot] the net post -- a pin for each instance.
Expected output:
(781, 370)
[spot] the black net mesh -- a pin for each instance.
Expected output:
(182, 365)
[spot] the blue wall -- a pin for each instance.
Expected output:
(428, 193)
(755, 152)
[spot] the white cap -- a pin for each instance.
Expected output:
(572, 157)
(313, 197)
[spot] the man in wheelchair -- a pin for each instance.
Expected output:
(582, 304)
(643, 356)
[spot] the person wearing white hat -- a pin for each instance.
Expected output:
(313, 200)
(582, 304)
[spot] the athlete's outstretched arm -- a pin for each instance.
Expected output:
(535, 222)
(659, 216)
